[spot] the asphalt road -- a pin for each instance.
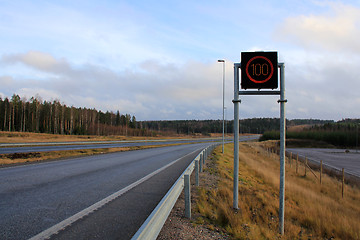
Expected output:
(35, 197)
(46, 147)
(336, 158)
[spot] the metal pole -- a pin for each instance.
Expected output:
(204, 154)
(187, 196)
(197, 172)
(223, 105)
(357, 137)
(225, 121)
(282, 149)
(236, 135)
(223, 109)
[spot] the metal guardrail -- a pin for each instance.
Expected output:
(156, 220)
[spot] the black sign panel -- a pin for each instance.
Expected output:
(259, 70)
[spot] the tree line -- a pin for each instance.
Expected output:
(344, 133)
(205, 127)
(35, 115)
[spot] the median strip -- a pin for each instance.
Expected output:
(32, 157)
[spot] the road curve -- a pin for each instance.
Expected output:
(36, 197)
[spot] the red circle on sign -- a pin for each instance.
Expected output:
(261, 81)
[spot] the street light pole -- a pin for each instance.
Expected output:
(223, 107)
(357, 137)
(225, 120)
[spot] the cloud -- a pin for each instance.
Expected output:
(322, 61)
(336, 30)
(45, 94)
(6, 81)
(39, 61)
(153, 90)
(316, 88)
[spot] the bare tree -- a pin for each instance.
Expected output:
(24, 115)
(5, 106)
(62, 119)
(10, 105)
(71, 120)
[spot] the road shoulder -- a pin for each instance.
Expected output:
(178, 227)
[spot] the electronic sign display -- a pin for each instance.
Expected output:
(259, 70)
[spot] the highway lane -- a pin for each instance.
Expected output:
(38, 196)
(335, 158)
(46, 147)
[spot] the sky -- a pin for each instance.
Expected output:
(157, 60)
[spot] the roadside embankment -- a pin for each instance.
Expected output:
(312, 211)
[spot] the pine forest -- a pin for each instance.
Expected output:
(35, 115)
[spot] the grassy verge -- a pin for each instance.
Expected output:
(21, 158)
(312, 211)
(28, 137)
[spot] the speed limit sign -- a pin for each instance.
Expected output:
(259, 70)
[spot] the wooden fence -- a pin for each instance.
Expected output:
(306, 166)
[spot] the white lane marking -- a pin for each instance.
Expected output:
(46, 234)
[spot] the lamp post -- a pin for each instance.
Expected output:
(225, 120)
(357, 137)
(223, 107)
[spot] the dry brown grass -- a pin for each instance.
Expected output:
(312, 211)
(299, 128)
(28, 137)
(11, 159)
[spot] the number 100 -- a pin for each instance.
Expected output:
(260, 69)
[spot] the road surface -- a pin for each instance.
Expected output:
(36, 197)
(335, 158)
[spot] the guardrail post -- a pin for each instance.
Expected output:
(197, 172)
(201, 161)
(187, 196)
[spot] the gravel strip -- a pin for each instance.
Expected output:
(178, 227)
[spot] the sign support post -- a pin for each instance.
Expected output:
(236, 102)
(282, 102)
(263, 75)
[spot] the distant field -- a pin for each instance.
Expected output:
(299, 128)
